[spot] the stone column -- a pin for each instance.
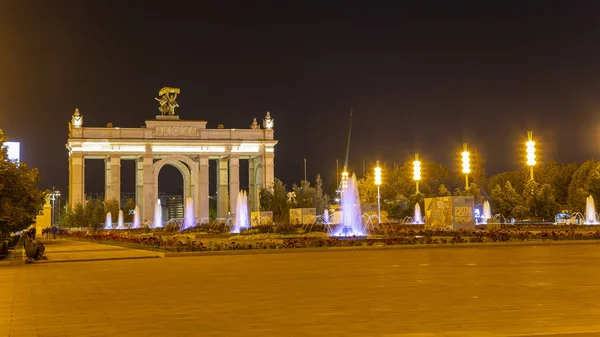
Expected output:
(203, 187)
(76, 179)
(139, 184)
(269, 169)
(252, 199)
(259, 173)
(195, 187)
(113, 178)
(147, 192)
(234, 182)
(107, 178)
(222, 180)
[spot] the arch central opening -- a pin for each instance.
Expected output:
(171, 191)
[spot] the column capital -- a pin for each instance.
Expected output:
(203, 160)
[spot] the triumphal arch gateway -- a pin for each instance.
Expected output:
(185, 144)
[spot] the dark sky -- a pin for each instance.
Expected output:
(423, 76)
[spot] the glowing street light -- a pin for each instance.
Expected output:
(344, 182)
(466, 164)
(344, 179)
(417, 171)
(378, 182)
(530, 150)
(54, 195)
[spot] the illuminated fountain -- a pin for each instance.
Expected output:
(136, 218)
(120, 220)
(352, 224)
(487, 212)
(417, 219)
(326, 217)
(242, 220)
(591, 218)
(157, 215)
(108, 222)
(188, 214)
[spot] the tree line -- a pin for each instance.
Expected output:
(20, 198)
(512, 194)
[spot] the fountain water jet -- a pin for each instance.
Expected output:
(136, 218)
(487, 212)
(108, 222)
(326, 217)
(157, 215)
(417, 219)
(591, 218)
(352, 224)
(242, 221)
(120, 220)
(188, 214)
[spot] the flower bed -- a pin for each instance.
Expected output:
(186, 243)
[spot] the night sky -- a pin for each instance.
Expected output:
(422, 77)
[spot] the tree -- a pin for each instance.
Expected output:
(476, 193)
(516, 178)
(530, 198)
(559, 177)
(367, 190)
(546, 204)
(435, 175)
(129, 206)
(321, 199)
(399, 208)
(112, 206)
(443, 191)
(276, 200)
(77, 218)
(305, 195)
(98, 215)
(585, 182)
(506, 201)
(20, 198)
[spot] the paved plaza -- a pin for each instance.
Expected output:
(489, 291)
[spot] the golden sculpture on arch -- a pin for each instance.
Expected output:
(167, 100)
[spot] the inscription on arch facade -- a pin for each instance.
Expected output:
(175, 131)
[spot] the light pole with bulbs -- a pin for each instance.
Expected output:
(466, 164)
(417, 172)
(378, 182)
(530, 150)
(54, 195)
(344, 182)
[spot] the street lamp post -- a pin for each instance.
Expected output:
(417, 171)
(378, 182)
(54, 196)
(344, 182)
(530, 150)
(466, 165)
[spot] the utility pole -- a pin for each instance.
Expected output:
(305, 169)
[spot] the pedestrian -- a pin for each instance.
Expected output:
(54, 231)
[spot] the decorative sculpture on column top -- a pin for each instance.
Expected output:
(254, 125)
(167, 100)
(77, 119)
(268, 122)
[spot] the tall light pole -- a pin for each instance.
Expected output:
(344, 182)
(417, 171)
(530, 150)
(54, 195)
(466, 165)
(378, 182)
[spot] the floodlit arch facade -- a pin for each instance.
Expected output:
(186, 145)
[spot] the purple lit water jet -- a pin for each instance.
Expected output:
(352, 224)
(242, 220)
